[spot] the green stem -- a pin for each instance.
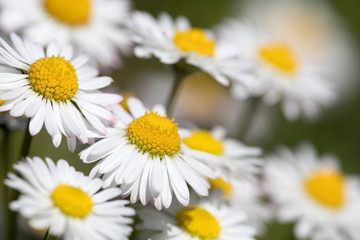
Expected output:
(26, 142)
(46, 234)
(247, 120)
(12, 217)
(179, 75)
(5, 168)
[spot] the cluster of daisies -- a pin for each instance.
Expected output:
(153, 178)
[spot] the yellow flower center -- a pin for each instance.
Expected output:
(54, 77)
(218, 182)
(203, 141)
(155, 134)
(280, 56)
(72, 12)
(326, 186)
(194, 40)
(72, 201)
(2, 102)
(199, 223)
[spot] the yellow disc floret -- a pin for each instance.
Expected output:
(280, 56)
(203, 141)
(198, 222)
(72, 201)
(326, 186)
(194, 40)
(218, 182)
(155, 134)
(54, 77)
(73, 12)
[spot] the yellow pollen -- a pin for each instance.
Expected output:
(221, 184)
(2, 102)
(72, 12)
(280, 56)
(155, 134)
(198, 222)
(203, 141)
(194, 40)
(72, 201)
(326, 186)
(54, 77)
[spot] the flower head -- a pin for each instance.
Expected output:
(69, 203)
(144, 155)
(94, 27)
(56, 90)
(314, 193)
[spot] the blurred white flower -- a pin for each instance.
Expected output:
(93, 27)
(315, 31)
(69, 203)
(174, 40)
(54, 89)
(246, 196)
(313, 192)
(280, 73)
(237, 160)
(207, 218)
(144, 154)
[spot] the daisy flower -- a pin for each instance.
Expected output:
(237, 159)
(144, 154)
(246, 196)
(281, 74)
(69, 203)
(313, 192)
(54, 89)
(172, 41)
(205, 219)
(92, 26)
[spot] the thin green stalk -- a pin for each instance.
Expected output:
(46, 234)
(179, 75)
(5, 167)
(247, 120)
(12, 217)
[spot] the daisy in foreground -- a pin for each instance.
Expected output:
(144, 154)
(54, 89)
(172, 41)
(205, 219)
(67, 202)
(92, 26)
(313, 192)
(237, 160)
(282, 75)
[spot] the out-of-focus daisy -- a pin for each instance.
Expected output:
(280, 72)
(144, 154)
(54, 89)
(205, 219)
(237, 159)
(316, 32)
(92, 26)
(246, 196)
(174, 40)
(314, 193)
(69, 203)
